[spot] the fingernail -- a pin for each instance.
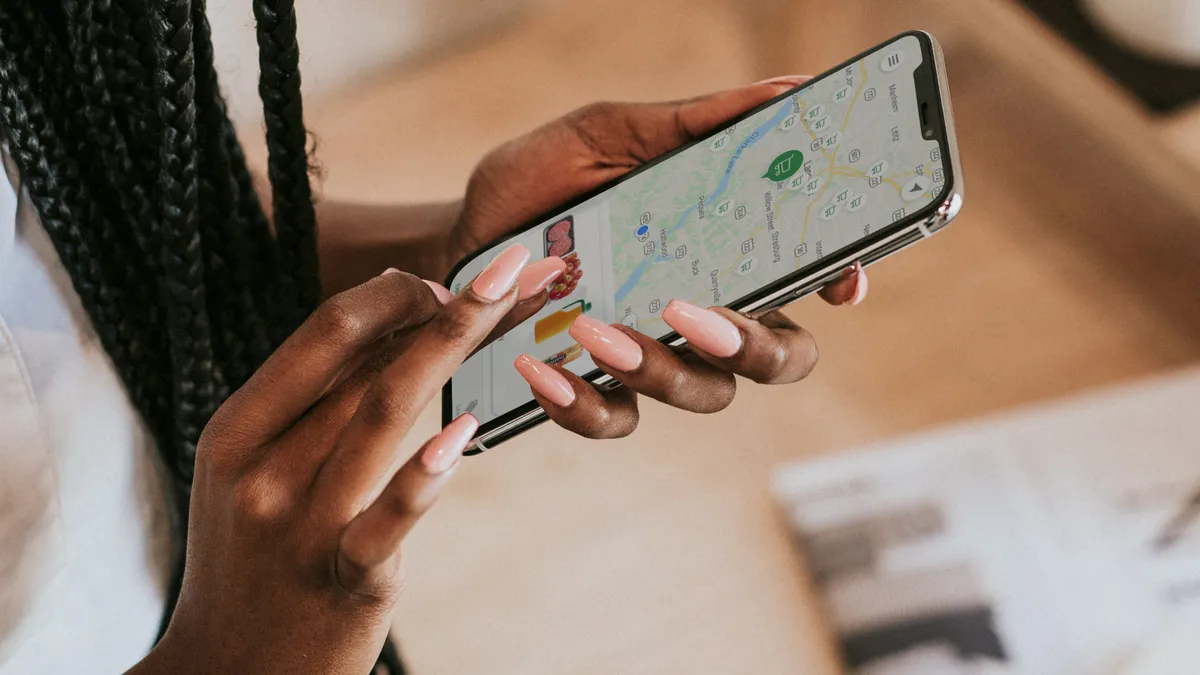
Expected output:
(443, 294)
(860, 285)
(793, 80)
(606, 343)
(444, 450)
(497, 279)
(705, 329)
(537, 277)
(545, 380)
(390, 270)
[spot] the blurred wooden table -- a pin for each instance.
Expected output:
(1072, 266)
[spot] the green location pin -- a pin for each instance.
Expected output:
(784, 166)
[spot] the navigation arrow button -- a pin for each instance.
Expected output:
(915, 189)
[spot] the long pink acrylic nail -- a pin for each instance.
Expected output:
(860, 285)
(497, 279)
(443, 450)
(545, 380)
(607, 343)
(703, 328)
(538, 276)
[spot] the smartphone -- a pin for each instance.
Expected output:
(854, 165)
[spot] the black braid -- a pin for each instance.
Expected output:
(116, 163)
(63, 197)
(112, 112)
(287, 165)
(200, 384)
(232, 252)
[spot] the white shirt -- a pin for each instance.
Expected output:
(84, 534)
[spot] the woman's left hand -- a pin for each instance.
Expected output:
(530, 175)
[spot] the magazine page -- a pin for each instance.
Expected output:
(1023, 544)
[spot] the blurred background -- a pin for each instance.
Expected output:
(1073, 266)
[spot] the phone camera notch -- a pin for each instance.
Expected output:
(926, 129)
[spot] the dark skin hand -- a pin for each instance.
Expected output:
(530, 175)
(775, 351)
(301, 499)
(522, 180)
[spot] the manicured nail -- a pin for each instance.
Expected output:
(538, 276)
(545, 380)
(793, 80)
(705, 329)
(860, 285)
(443, 451)
(607, 343)
(443, 294)
(497, 279)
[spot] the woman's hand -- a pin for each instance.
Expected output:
(529, 175)
(589, 147)
(301, 498)
(698, 378)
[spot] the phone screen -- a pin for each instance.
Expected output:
(798, 180)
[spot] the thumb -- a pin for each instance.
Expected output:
(625, 136)
(700, 116)
(591, 146)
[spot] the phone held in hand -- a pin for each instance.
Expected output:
(852, 166)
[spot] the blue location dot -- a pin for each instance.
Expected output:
(641, 231)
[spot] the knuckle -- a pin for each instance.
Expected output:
(593, 124)
(402, 503)
(597, 425)
(675, 386)
(257, 501)
(615, 419)
(410, 504)
(384, 403)
(211, 437)
(723, 394)
(379, 360)
(773, 363)
(373, 587)
(626, 426)
(351, 565)
(339, 319)
(414, 302)
(592, 422)
(215, 458)
(779, 357)
(225, 441)
(597, 111)
(456, 327)
(787, 361)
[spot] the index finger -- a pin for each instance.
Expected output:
(311, 360)
(367, 450)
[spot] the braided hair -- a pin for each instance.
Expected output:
(115, 120)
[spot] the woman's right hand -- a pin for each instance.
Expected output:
(301, 497)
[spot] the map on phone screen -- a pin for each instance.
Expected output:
(753, 203)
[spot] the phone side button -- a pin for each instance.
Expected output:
(807, 290)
